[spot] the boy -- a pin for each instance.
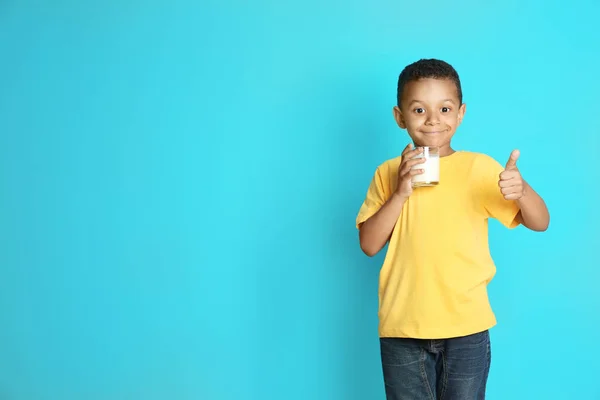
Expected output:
(434, 313)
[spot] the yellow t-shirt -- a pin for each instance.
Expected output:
(433, 282)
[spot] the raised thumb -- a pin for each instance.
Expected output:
(512, 160)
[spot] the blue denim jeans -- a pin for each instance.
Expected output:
(448, 369)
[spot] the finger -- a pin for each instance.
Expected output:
(510, 174)
(510, 190)
(416, 171)
(512, 160)
(407, 149)
(411, 158)
(514, 196)
(505, 183)
(414, 161)
(407, 165)
(412, 153)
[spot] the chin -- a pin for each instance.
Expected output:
(433, 140)
(430, 143)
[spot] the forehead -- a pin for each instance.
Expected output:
(430, 90)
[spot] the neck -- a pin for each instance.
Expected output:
(446, 150)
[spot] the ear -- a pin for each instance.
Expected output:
(399, 118)
(461, 112)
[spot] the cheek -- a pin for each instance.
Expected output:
(415, 121)
(452, 120)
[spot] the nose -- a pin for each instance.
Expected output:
(433, 118)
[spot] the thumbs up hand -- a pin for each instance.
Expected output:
(511, 183)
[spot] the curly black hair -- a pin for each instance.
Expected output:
(428, 68)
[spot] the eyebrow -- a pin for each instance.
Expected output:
(443, 101)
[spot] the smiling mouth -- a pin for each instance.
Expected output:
(433, 132)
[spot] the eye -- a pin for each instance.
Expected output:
(445, 109)
(419, 110)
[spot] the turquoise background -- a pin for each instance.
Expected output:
(179, 183)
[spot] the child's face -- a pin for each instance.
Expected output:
(430, 111)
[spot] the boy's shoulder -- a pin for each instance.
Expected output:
(479, 159)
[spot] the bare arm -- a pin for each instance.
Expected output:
(534, 213)
(376, 231)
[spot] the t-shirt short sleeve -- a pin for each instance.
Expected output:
(374, 199)
(493, 202)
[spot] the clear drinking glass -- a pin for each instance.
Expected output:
(431, 167)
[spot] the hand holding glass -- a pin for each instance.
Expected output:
(431, 167)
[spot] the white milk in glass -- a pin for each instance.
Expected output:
(431, 167)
